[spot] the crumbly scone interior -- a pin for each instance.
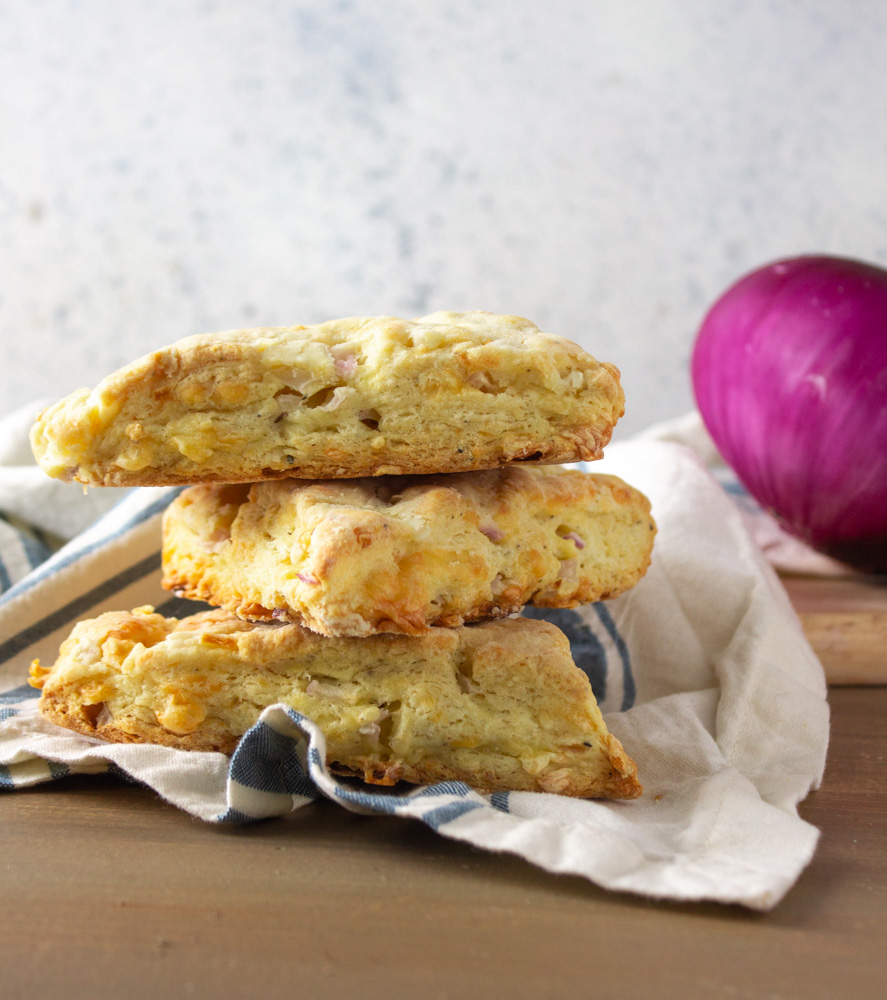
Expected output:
(403, 554)
(500, 704)
(446, 393)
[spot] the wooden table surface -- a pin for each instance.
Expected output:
(107, 892)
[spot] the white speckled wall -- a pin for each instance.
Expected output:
(604, 168)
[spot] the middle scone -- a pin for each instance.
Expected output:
(405, 553)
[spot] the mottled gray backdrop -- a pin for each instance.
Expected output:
(603, 167)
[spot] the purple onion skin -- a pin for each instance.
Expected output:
(790, 376)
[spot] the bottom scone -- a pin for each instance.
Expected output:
(500, 706)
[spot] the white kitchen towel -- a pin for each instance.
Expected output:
(702, 671)
(782, 550)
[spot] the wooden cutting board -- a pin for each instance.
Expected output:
(845, 620)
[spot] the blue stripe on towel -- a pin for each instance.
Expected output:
(499, 800)
(74, 609)
(52, 566)
(268, 761)
(181, 607)
(444, 788)
(376, 801)
(447, 813)
(628, 688)
(13, 696)
(234, 816)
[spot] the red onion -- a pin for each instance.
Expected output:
(569, 570)
(790, 375)
(344, 360)
(492, 532)
(575, 539)
(340, 394)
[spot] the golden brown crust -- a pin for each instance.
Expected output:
(403, 554)
(500, 706)
(450, 392)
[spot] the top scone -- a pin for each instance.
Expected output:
(450, 392)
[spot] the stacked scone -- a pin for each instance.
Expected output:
(359, 491)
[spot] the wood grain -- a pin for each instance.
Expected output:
(107, 892)
(845, 621)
